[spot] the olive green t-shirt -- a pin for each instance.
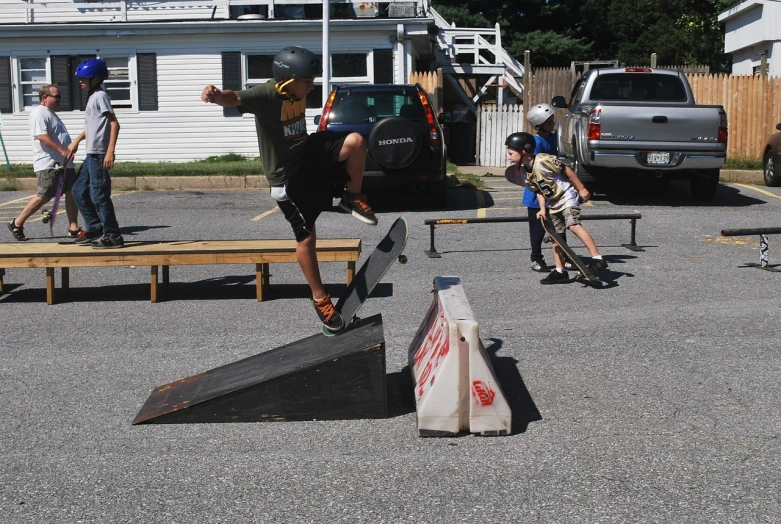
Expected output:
(280, 122)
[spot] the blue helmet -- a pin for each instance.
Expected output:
(92, 68)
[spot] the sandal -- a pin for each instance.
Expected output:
(74, 233)
(17, 231)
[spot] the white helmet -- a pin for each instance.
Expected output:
(539, 114)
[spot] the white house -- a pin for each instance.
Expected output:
(161, 54)
(753, 28)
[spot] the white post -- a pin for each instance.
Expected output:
(326, 51)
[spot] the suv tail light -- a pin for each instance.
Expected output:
(326, 112)
(722, 127)
(638, 70)
(432, 123)
(594, 132)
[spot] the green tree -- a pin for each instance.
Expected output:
(678, 31)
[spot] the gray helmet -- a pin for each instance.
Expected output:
(521, 142)
(539, 114)
(296, 62)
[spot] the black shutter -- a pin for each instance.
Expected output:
(78, 96)
(231, 77)
(6, 98)
(383, 66)
(147, 81)
(61, 77)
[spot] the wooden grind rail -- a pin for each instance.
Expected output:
(171, 253)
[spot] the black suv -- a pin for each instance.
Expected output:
(405, 139)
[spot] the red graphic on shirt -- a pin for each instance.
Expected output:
(485, 395)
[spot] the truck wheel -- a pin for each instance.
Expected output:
(704, 184)
(772, 177)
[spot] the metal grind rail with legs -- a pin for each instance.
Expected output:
(432, 223)
(763, 232)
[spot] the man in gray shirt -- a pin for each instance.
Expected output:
(50, 148)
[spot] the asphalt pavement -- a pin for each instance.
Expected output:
(654, 399)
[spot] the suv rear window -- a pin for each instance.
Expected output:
(638, 87)
(356, 107)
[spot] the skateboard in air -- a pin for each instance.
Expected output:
(371, 272)
(586, 276)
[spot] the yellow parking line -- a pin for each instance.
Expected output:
(15, 201)
(753, 188)
(267, 213)
(480, 205)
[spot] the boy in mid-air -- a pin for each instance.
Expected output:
(560, 187)
(303, 170)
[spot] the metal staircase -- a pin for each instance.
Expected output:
(487, 58)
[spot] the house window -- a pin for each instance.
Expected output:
(117, 85)
(33, 75)
(131, 82)
(348, 68)
(259, 69)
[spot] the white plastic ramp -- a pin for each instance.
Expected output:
(456, 388)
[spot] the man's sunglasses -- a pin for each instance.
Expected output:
(55, 96)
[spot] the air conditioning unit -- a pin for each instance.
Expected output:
(402, 10)
(364, 10)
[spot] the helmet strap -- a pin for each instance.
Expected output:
(280, 86)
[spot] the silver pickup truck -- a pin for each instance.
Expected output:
(642, 121)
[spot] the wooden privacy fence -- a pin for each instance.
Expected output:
(753, 106)
(432, 83)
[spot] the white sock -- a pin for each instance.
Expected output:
(560, 270)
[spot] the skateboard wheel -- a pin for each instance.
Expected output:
(402, 259)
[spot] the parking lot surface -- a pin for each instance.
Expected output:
(655, 399)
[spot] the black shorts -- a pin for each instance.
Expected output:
(316, 177)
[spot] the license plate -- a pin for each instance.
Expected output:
(657, 157)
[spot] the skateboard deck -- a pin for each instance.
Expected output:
(588, 277)
(371, 272)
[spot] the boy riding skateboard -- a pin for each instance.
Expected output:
(560, 187)
(303, 170)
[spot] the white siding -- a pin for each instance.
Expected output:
(184, 128)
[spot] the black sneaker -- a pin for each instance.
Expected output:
(85, 238)
(357, 205)
(109, 243)
(556, 278)
(539, 266)
(17, 231)
(74, 233)
(329, 316)
(596, 265)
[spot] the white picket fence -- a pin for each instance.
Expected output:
(494, 124)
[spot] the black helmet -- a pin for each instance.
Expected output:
(521, 142)
(296, 62)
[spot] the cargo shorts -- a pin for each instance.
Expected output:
(47, 182)
(565, 219)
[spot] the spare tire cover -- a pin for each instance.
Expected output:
(394, 143)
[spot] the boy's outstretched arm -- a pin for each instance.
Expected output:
(225, 98)
(579, 187)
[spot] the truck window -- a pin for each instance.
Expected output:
(577, 93)
(638, 87)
